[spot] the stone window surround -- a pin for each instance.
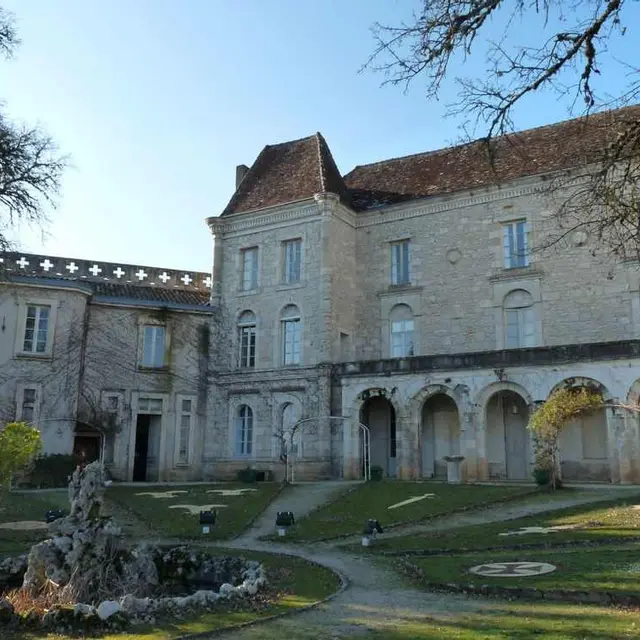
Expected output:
(391, 244)
(192, 427)
(501, 289)
(388, 300)
(21, 325)
(145, 320)
(235, 403)
(279, 342)
(20, 389)
(240, 268)
(283, 262)
(237, 346)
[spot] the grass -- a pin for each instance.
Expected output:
(518, 621)
(232, 518)
(15, 507)
(293, 583)
(615, 571)
(348, 513)
(606, 520)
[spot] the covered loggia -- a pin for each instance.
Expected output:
(508, 439)
(440, 434)
(379, 415)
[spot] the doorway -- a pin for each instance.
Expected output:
(440, 434)
(147, 446)
(378, 414)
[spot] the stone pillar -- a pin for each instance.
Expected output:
(468, 448)
(351, 450)
(615, 437)
(217, 229)
(624, 433)
(407, 447)
(480, 441)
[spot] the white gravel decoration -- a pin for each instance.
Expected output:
(230, 492)
(24, 525)
(527, 530)
(168, 495)
(412, 500)
(195, 509)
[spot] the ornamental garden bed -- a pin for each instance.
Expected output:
(610, 576)
(172, 511)
(604, 522)
(394, 503)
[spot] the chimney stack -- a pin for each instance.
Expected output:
(241, 172)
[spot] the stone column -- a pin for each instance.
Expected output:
(217, 229)
(407, 447)
(351, 450)
(480, 431)
(630, 452)
(468, 448)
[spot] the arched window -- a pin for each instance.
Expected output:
(244, 431)
(402, 340)
(519, 320)
(247, 340)
(291, 335)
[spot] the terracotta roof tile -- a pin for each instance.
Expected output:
(532, 152)
(149, 293)
(288, 172)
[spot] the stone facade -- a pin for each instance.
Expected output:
(411, 316)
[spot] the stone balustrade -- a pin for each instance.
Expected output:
(31, 264)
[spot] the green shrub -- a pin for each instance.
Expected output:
(51, 471)
(376, 473)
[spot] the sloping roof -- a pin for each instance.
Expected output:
(531, 152)
(288, 172)
(149, 293)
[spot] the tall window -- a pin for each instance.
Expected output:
(36, 329)
(244, 431)
(401, 262)
(520, 322)
(292, 254)
(247, 340)
(402, 339)
(249, 268)
(153, 346)
(112, 408)
(291, 326)
(185, 408)
(516, 244)
(28, 405)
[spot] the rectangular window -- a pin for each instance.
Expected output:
(28, 406)
(249, 268)
(521, 328)
(244, 431)
(153, 346)
(248, 346)
(402, 338)
(516, 244)
(292, 250)
(150, 405)
(184, 434)
(291, 340)
(36, 329)
(401, 262)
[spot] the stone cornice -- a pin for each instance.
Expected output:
(257, 221)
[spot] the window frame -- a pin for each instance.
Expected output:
(400, 273)
(408, 347)
(35, 405)
(250, 328)
(154, 346)
(243, 431)
(525, 317)
(20, 331)
(249, 283)
(296, 244)
(516, 230)
(180, 414)
(295, 323)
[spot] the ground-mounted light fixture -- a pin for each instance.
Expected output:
(370, 531)
(53, 514)
(207, 520)
(284, 519)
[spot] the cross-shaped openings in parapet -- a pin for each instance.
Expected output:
(72, 267)
(187, 279)
(164, 276)
(141, 275)
(46, 265)
(95, 270)
(208, 282)
(118, 273)
(22, 263)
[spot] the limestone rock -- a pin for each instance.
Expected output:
(107, 608)
(83, 609)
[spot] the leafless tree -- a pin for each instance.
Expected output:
(569, 50)
(30, 166)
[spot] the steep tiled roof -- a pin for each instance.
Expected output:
(288, 172)
(149, 293)
(532, 152)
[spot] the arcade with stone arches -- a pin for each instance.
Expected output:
(412, 433)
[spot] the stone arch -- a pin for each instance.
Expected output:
(587, 445)
(633, 396)
(417, 402)
(371, 392)
(483, 396)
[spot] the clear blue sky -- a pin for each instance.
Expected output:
(157, 101)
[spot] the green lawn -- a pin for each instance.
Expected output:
(348, 513)
(26, 506)
(293, 583)
(606, 520)
(519, 621)
(235, 512)
(611, 570)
